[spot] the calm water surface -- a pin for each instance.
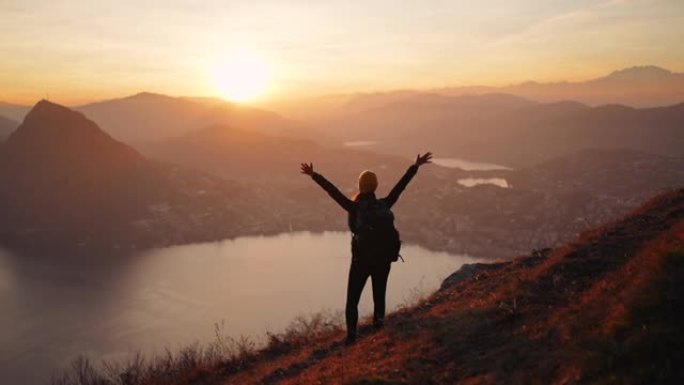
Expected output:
(468, 165)
(51, 311)
(470, 182)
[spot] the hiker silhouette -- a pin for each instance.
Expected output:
(375, 241)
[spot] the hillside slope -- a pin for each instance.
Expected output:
(604, 309)
(65, 184)
(511, 131)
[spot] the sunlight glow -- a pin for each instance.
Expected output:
(242, 76)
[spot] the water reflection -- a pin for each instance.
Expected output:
(470, 182)
(468, 165)
(109, 307)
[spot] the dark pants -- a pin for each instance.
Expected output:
(358, 274)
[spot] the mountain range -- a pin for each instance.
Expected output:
(498, 128)
(549, 202)
(64, 182)
(532, 135)
(146, 116)
(242, 154)
(510, 130)
(189, 178)
(638, 86)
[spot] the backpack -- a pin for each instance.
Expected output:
(376, 239)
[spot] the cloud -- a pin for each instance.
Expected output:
(561, 25)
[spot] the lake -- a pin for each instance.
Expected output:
(107, 308)
(470, 182)
(468, 165)
(463, 164)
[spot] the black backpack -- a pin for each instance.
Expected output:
(376, 239)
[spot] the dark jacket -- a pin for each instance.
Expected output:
(352, 206)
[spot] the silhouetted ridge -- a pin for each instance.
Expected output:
(646, 73)
(55, 132)
(65, 182)
(65, 185)
(638, 86)
(46, 109)
(470, 101)
(148, 95)
(64, 178)
(149, 116)
(47, 117)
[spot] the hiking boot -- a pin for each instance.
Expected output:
(378, 324)
(350, 340)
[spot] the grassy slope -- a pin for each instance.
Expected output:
(604, 309)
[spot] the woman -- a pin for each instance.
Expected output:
(361, 268)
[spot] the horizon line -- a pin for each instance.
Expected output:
(277, 98)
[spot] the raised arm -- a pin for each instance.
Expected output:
(393, 196)
(330, 188)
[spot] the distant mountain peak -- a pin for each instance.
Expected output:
(148, 95)
(646, 72)
(46, 106)
(46, 111)
(50, 127)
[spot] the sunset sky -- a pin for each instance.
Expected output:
(82, 50)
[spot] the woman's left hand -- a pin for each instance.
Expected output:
(307, 169)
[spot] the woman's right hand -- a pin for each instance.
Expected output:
(423, 159)
(307, 169)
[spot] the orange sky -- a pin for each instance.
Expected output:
(81, 51)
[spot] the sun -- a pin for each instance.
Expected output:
(242, 76)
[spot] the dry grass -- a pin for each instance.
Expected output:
(199, 364)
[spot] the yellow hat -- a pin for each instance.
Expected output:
(368, 182)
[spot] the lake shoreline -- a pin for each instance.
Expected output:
(160, 298)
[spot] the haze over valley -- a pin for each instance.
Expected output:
(193, 169)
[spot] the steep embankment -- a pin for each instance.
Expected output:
(605, 308)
